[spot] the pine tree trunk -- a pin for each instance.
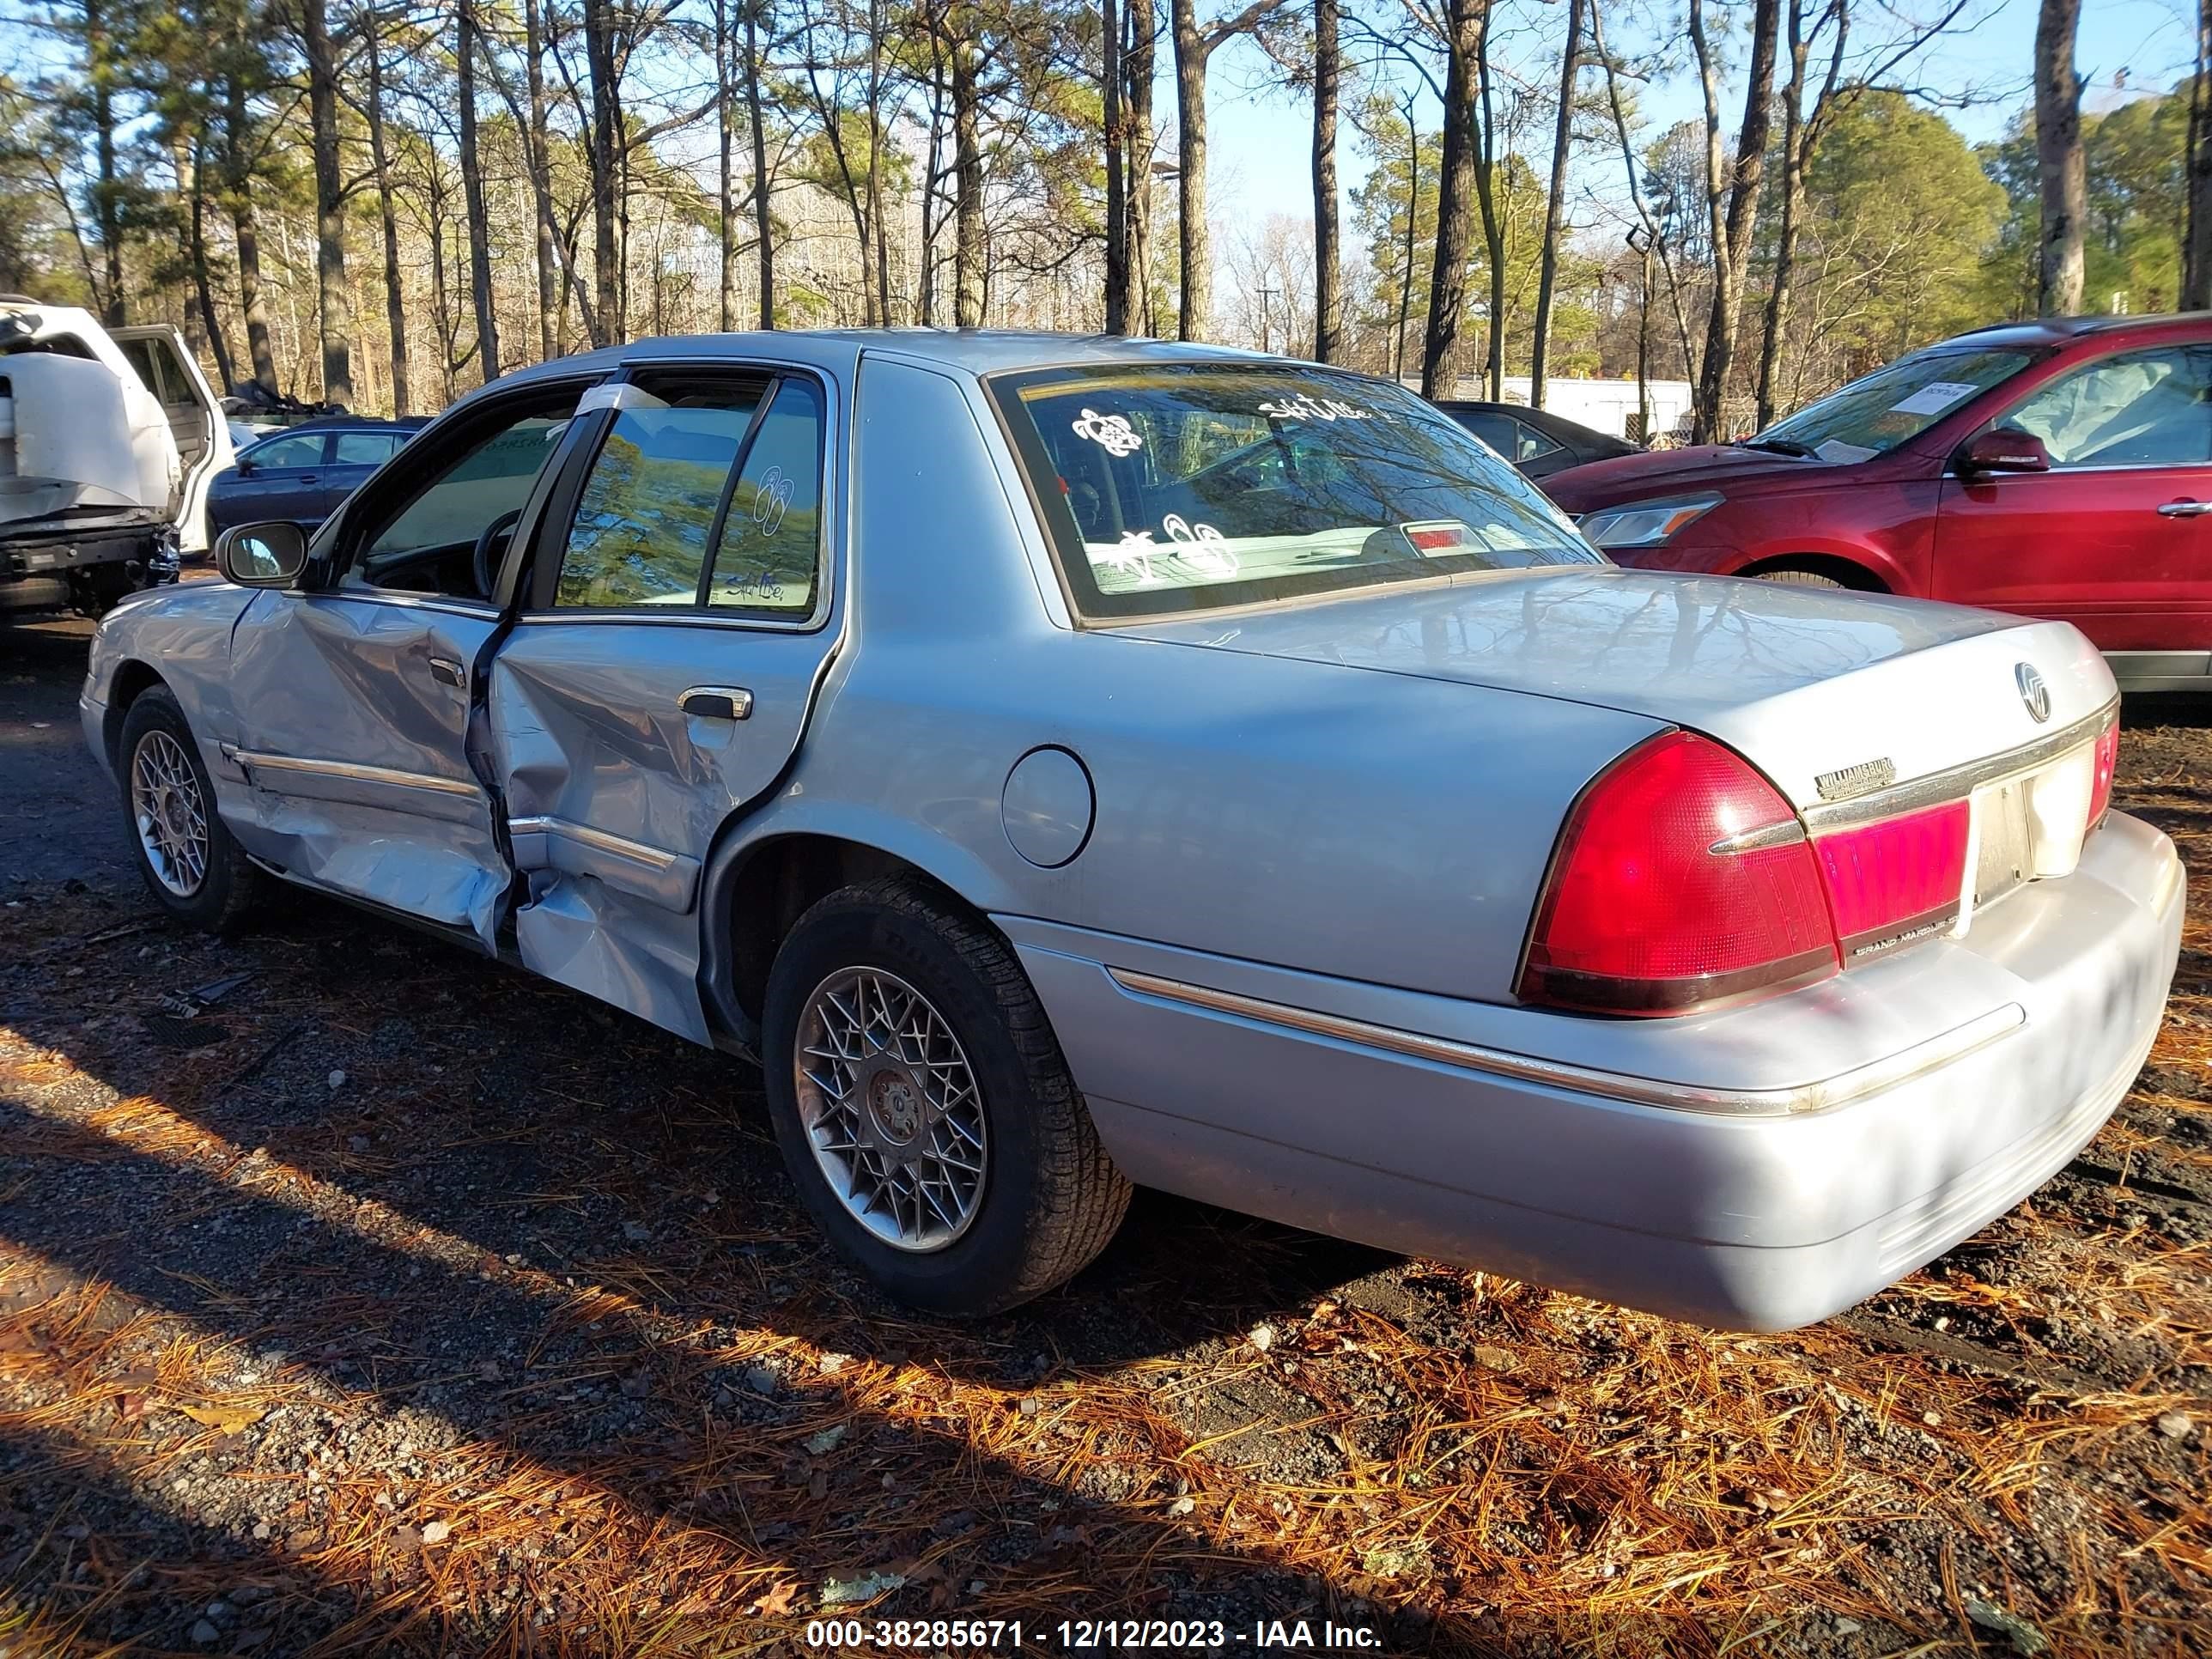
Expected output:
(726, 121)
(238, 184)
(1141, 20)
(334, 310)
(2196, 246)
(967, 250)
(608, 139)
(1548, 267)
(202, 285)
(1732, 201)
(764, 223)
(472, 195)
(1329, 305)
(1494, 222)
(1443, 351)
(549, 303)
(1116, 139)
(2060, 177)
(380, 159)
(1193, 235)
(102, 73)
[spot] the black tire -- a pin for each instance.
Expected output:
(229, 884)
(1791, 578)
(1051, 1198)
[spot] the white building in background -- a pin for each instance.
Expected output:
(1609, 406)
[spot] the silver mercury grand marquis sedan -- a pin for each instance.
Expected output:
(1073, 762)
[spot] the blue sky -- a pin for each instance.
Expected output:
(1260, 164)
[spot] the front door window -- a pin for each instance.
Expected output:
(2137, 408)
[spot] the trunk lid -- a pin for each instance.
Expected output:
(1807, 683)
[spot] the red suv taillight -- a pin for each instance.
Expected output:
(1682, 878)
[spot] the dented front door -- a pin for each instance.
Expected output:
(661, 677)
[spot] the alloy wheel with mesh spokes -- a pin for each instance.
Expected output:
(892, 1108)
(170, 815)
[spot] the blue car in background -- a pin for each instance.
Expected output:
(303, 473)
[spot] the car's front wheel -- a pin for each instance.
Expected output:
(193, 868)
(924, 1108)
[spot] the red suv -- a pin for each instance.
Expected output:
(2061, 468)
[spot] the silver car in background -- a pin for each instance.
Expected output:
(1072, 762)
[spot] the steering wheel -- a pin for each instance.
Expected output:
(486, 577)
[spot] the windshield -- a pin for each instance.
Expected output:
(1185, 486)
(1879, 411)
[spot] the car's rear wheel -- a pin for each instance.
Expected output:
(192, 866)
(924, 1108)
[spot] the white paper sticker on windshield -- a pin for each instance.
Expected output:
(1835, 449)
(1112, 432)
(1935, 398)
(1306, 407)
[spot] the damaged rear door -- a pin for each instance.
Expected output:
(682, 610)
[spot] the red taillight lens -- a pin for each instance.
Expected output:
(1896, 879)
(2100, 781)
(1665, 895)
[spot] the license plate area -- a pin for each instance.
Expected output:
(2004, 839)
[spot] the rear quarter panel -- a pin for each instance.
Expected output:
(1365, 824)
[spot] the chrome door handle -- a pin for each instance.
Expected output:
(2185, 509)
(717, 702)
(447, 671)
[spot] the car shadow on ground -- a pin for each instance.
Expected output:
(468, 1246)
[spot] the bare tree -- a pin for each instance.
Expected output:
(1732, 187)
(1801, 132)
(1443, 349)
(1329, 305)
(2061, 176)
(2196, 246)
(335, 307)
(1547, 270)
(379, 163)
(1195, 47)
(1142, 22)
(1118, 162)
(472, 192)
(763, 222)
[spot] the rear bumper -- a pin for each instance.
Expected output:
(1759, 1208)
(36, 565)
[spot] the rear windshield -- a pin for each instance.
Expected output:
(1191, 487)
(1879, 411)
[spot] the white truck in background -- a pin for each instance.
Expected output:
(108, 440)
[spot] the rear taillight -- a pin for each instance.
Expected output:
(1683, 878)
(2100, 781)
(1897, 879)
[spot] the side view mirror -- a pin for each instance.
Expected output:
(246, 467)
(2004, 449)
(262, 555)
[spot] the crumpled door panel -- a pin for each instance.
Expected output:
(615, 792)
(355, 743)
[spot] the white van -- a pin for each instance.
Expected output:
(108, 440)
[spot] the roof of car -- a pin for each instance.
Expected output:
(978, 350)
(2059, 331)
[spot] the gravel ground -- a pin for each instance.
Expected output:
(359, 1296)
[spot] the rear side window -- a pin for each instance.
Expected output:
(645, 521)
(365, 449)
(1180, 487)
(771, 536)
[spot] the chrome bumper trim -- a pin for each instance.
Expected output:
(1955, 783)
(1886, 1073)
